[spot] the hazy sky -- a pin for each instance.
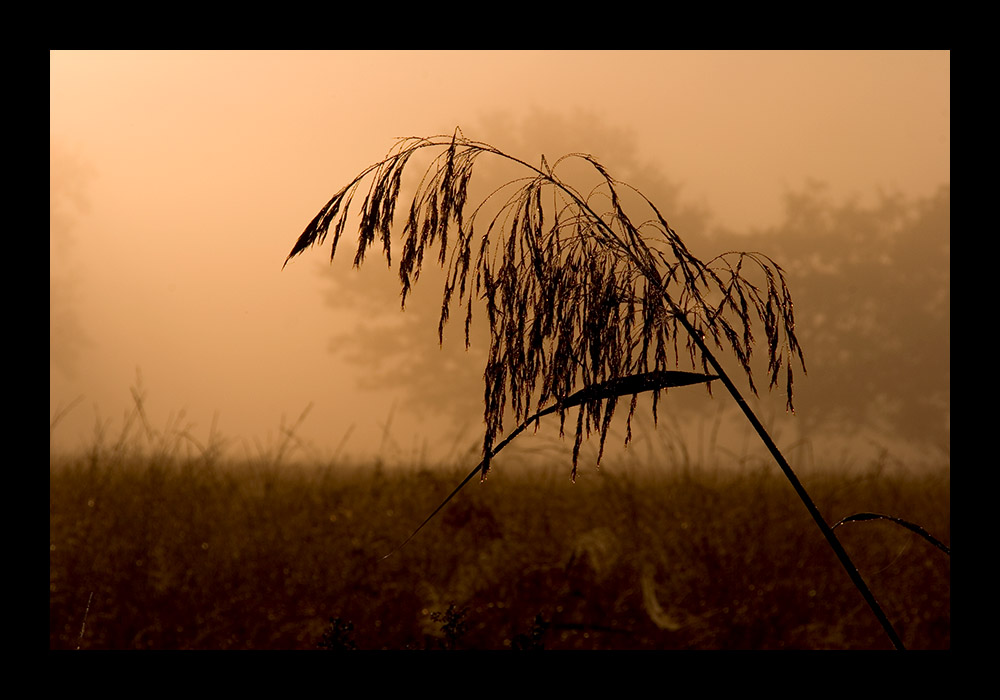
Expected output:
(201, 168)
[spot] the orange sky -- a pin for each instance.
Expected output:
(205, 166)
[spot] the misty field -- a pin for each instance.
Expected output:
(155, 552)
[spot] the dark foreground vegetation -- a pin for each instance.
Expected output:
(159, 553)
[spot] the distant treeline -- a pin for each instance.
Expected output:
(873, 304)
(871, 283)
(870, 280)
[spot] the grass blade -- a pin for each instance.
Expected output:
(913, 527)
(638, 383)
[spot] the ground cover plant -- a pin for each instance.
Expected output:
(166, 549)
(590, 297)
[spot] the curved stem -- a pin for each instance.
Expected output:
(478, 468)
(649, 271)
(641, 257)
(824, 527)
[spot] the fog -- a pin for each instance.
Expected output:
(181, 180)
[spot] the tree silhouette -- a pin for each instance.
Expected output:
(871, 286)
(68, 177)
(873, 283)
(397, 350)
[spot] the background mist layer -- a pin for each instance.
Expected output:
(180, 180)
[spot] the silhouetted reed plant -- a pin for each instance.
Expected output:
(590, 295)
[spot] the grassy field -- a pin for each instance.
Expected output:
(151, 552)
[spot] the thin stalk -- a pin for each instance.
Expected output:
(650, 273)
(378, 210)
(478, 468)
(636, 384)
(824, 527)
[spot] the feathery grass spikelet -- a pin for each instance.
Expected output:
(574, 296)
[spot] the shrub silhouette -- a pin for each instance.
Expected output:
(585, 303)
